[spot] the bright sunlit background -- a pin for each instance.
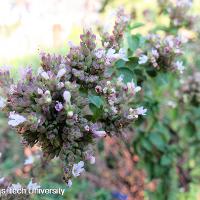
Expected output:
(30, 26)
(27, 26)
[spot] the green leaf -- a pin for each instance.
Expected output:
(151, 71)
(96, 100)
(160, 28)
(120, 63)
(134, 41)
(146, 144)
(132, 63)
(83, 92)
(162, 79)
(157, 140)
(190, 129)
(97, 112)
(166, 160)
(136, 25)
(127, 74)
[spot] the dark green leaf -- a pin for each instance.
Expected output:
(166, 160)
(120, 63)
(96, 100)
(146, 144)
(157, 140)
(132, 63)
(97, 112)
(127, 74)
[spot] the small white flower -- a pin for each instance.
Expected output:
(114, 109)
(108, 61)
(176, 22)
(120, 80)
(61, 73)
(132, 114)
(155, 53)
(113, 90)
(106, 44)
(137, 89)
(39, 91)
(132, 88)
(29, 160)
(58, 106)
(15, 187)
(179, 66)
(143, 59)
(111, 102)
(169, 41)
(2, 180)
(141, 111)
(39, 120)
(39, 71)
(177, 50)
(125, 18)
(78, 169)
(47, 93)
(12, 89)
(15, 119)
(60, 85)
(171, 104)
(2, 102)
(99, 134)
(70, 113)
(105, 89)
(131, 117)
(92, 160)
(108, 83)
(122, 54)
(48, 97)
(33, 186)
(100, 53)
(87, 128)
(67, 96)
(69, 183)
(111, 53)
(131, 110)
(90, 157)
(44, 75)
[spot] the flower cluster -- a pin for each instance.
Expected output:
(70, 103)
(179, 12)
(113, 40)
(190, 90)
(162, 53)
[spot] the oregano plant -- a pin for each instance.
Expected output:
(72, 101)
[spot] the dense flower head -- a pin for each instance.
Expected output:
(113, 40)
(162, 53)
(190, 90)
(6, 83)
(70, 103)
(178, 11)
